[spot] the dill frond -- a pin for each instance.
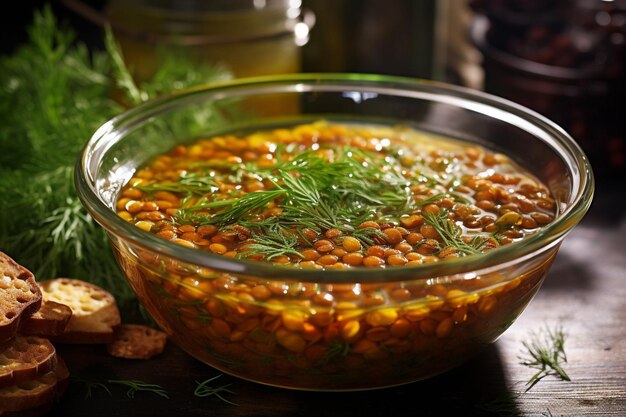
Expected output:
(545, 351)
(451, 233)
(54, 93)
(203, 389)
(273, 243)
(135, 386)
(189, 183)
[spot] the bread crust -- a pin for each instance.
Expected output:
(95, 315)
(19, 296)
(25, 358)
(50, 320)
(37, 392)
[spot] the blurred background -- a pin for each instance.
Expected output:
(563, 58)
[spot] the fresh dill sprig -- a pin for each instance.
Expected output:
(90, 386)
(123, 77)
(451, 233)
(203, 389)
(236, 208)
(135, 386)
(54, 93)
(273, 243)
(189, 183)
(545, 351)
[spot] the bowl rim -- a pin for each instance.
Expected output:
(546, 238)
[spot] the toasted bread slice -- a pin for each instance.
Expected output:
(136, 341)
(37, 392)
(19, 296)
(25, 358)
(95, 315)
(50, 320)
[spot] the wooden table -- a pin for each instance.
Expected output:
(585, 293)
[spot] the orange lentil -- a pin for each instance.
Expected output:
(428, 326)
(260, 292)
(444, 328)
(351, 244)
(310, 254)
(403, 247)
(396, 260)
(487, 205)
(354, 259)
(429, 232)
(367, 224)
(401, 328)
(540, 218)
(134, 206)
(325, 248)
(413, 256)
(412, 238)
(431, 209)
(327, 260)
(323, 242)
(393, 235)
(428, 246)
(377, 251)
(373, 261)
(339, 252)
(412, 221)
(218, 248)
(377, 334)
(132, 193)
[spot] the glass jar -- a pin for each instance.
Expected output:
(249, 37)
(565, 60)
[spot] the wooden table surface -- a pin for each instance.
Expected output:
(585, 293)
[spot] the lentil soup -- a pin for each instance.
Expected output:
(330, 196)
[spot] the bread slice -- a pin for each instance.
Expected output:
(95, 314)
(50, 320)
(35, 393)
(19, 296)
(25, 358)
(136, 341)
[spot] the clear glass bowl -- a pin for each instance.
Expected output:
(319, 330)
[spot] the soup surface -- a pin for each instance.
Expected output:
(334, 196)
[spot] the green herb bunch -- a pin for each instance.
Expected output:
(54, 93)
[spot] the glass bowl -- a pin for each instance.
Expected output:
(318, 330)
